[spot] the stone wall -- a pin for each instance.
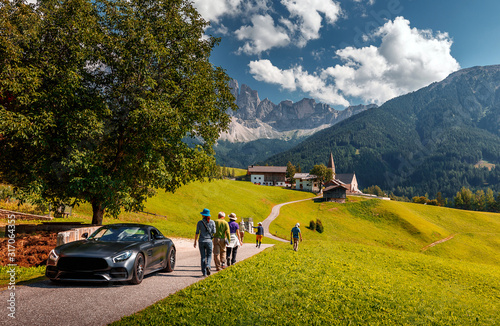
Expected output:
(74, 234)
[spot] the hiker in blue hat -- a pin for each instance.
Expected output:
(205, 230)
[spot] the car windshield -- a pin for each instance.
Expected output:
(120, 233)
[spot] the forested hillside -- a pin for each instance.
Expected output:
(422, 142)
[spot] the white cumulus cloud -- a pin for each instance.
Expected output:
(406, 60)
(308, 13)
(262, 35)
(296, 78)
(267, 29)
(214, 9)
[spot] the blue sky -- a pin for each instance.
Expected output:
(349, 52)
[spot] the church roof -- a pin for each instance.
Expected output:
(347, 178)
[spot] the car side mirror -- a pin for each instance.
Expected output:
(85, 235)
(159, 237)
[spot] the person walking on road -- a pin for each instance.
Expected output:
(221, 236)
(205, 230)
(242, 230)
(236, 242)
(259, 235)
(295, 235)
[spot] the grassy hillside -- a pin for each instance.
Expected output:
(399, 225)
(181, 210)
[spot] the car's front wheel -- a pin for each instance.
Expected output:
(138, 273)
(170, 261)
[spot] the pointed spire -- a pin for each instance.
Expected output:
(331, 164)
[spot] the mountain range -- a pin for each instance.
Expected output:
(436, 139)
(260, 129)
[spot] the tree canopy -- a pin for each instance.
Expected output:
(322, 173)
(96, 98)
(290, 172)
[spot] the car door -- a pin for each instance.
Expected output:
(157, 249)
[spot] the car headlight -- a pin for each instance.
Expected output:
(122, 256)
(53, 257)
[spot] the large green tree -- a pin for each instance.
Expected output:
(290, 172)
(96, 98)
(322, 173)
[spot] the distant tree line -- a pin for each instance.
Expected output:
(222, 172)
(466, 199)
(478, 201)
(485, 201)
(374, 190)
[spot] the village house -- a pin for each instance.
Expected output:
(306, 182)
(276, 176)
(268, 175)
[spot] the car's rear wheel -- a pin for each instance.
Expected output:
(138, 273)
(170, 261)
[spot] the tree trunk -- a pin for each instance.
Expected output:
(97, 212)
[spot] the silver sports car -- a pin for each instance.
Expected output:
(115, 252)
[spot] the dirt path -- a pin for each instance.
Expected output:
(438, 242)
(274, 214)
(45, 303)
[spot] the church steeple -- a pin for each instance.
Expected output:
(331, 164)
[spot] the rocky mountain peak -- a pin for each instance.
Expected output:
(275, 120)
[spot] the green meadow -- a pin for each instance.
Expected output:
(335, 283)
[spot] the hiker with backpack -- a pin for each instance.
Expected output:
(205, 230)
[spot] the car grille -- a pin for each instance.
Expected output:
(82, 276)
(81, 264)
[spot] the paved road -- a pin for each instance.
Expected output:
(274, 214)
(45, 303)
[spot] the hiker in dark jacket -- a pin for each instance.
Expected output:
(259, 235)
(205, 229)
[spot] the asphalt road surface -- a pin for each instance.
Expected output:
(46, 303)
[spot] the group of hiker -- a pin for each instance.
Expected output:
(223, 239)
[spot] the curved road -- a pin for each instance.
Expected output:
(274, 214)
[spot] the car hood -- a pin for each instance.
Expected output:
(90, 248)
